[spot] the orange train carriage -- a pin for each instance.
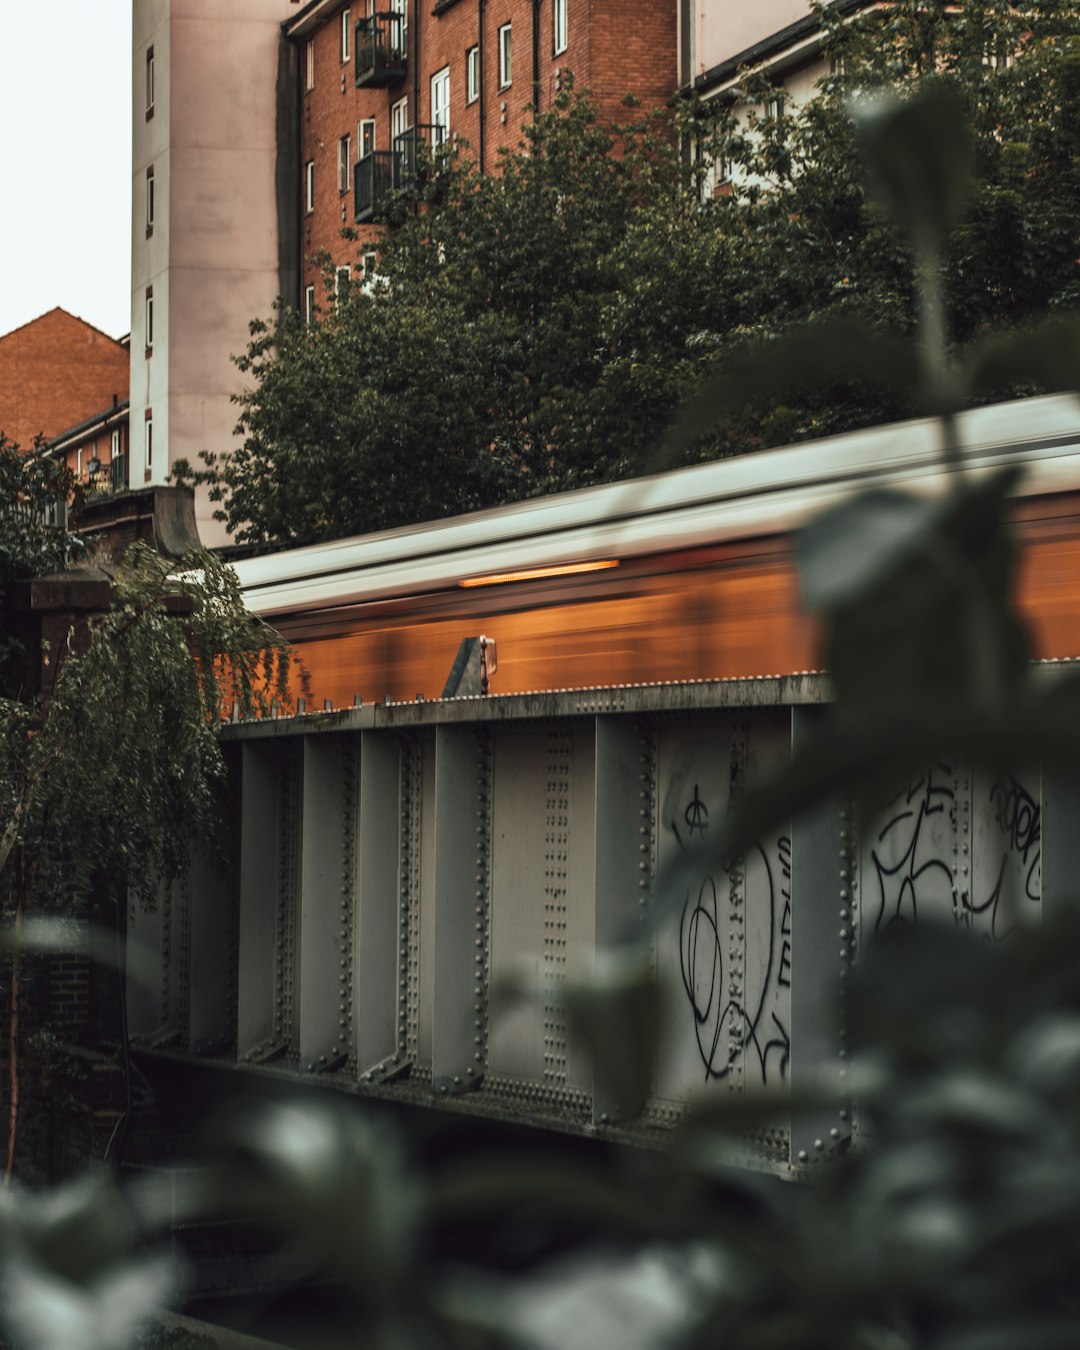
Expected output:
(684, 575)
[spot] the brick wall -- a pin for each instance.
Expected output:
(56, 372)
(614, 47)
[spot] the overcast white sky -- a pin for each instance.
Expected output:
(65, 161)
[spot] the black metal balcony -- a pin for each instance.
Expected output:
(380, 50)
(106, 480)
(417, 154)
(373, 177)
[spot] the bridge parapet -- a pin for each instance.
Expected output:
(396, 863)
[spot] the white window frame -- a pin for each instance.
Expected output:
(343, 272)
(365, 137)
(149, 318)
(309, 186)
(114, 445)
(148, 440)
(344, 163)
(401, 9)
(472, 75)
(558, 27)
(506, 56)
(774, 105)
(369, 262)
(399, 119)
(150, 81)
(309, 64)
(150, 202)
(309, 304)
(346, 36)
(440, 116)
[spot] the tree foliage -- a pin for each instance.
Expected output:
(534, 330)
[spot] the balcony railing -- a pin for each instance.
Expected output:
(118, 473)
(373, 177)
(380, 50)
(108, 479)
(416, 154)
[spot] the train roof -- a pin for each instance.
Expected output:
(765, 493)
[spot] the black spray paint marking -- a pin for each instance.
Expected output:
(723, 1025)
(1020, 819)
(783, 848)
(899, 884)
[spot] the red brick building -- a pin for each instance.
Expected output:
(376, 80)
(96, 450)
(56, 372)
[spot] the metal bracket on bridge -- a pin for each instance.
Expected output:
(474, 664)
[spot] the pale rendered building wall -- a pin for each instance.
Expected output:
(213, 256)
(720, 29)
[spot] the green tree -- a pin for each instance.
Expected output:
(809, 241)
(535, 330)
(119, 770)
(470, 372)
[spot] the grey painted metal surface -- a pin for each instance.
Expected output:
(399, 864)
(823, 852)
(327, 882)
(261, 974)
(462, 908)
(380, 979)
(213, 941)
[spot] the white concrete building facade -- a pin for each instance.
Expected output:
(209, 164)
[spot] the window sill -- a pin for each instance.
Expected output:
(442, 6)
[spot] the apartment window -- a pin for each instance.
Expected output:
(114, 446)
(309, 186)
(399, 120)
(1000, 55)
(401, 9)
(149, 319)
(342, 276)
(506, 70)
(148, 439)
(78, 462)
(440, 106)
(149, 82)
(309, 303)
(309, 64)
(365, 137)
(472, 74)
(716, 174)
(346, 35)
(344, 163)
(774, 106)
(150, 200)
(558, 19)
(368, 264)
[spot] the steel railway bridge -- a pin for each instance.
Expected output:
(395, 863)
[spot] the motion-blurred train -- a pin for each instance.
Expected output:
(683, 575)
